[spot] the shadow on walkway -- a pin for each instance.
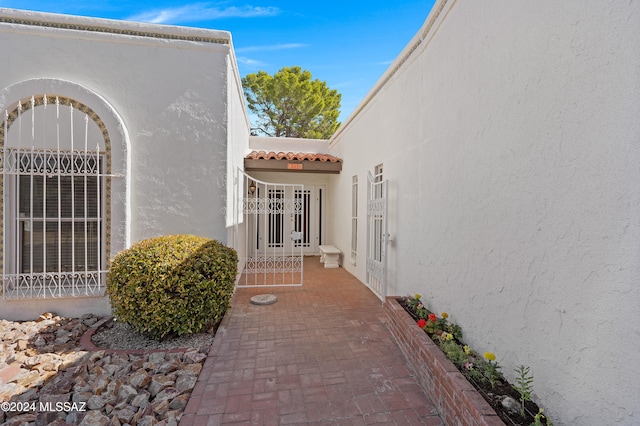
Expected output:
(321, 355)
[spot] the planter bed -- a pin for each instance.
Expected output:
(457, 401)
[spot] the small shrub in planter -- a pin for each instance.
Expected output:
(172, 285)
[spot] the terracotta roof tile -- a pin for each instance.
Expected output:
(292, 156)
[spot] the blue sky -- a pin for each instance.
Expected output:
(348, 44)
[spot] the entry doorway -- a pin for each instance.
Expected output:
(283, 229)
(281, 224)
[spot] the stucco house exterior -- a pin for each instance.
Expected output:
(112, 132)
(493, 169)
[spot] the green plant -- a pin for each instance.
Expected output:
(454, 352)
(537, 419)
(175, 284)
(524, 383)
(490, 369)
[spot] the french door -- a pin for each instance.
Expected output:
(293, 219)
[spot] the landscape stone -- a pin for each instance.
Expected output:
(160, 408)
(166, 394)
(159, 382)
(96, 402)
(55, 398)
(43, 361)
(81, 396)
(194, 357)
(95, 418)
(141, 400)
(127, 393)
(147, 421)
(190, 369)
(185, 382)
(20, 419)
(179, 402)
(125, 415)
(140, 378)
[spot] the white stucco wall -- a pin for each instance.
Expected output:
(171, 95)
(509, 134)
(238, 146)
(168, 88)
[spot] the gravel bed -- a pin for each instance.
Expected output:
(118, 335)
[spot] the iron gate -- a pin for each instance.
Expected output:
(274, 218)
(377, 236)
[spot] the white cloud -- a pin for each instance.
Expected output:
(201, 12)
(283, 46)
(250, 62)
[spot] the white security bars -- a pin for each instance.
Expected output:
(377, 236)
(54, 183)
(354, 219)
(276, 228)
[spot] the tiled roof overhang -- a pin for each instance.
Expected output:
(292, 162)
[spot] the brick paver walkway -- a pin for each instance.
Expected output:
(321, 355)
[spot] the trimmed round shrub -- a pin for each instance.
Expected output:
(172, 285)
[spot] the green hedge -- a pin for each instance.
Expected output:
(172, 285)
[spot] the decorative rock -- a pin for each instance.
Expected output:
(140, 378)
(96, 402)
(159, 382)
(511, 404)
(264, 299)
(53, 399)
(173, 417)
(166, 394)
(185, 382)
(160, 408)
(63, 385)
(147, 421)
(127, 393)
(27, 378)
(156, 357)
(81, 396)
(194, 357)
(94, 418)
(190, 370)
(45, 316)
(20, 419)
(46, 418)
(42, 361)
(99, 385)
(125, 415)
(27, 395)
(169, 366)
(141, 400)
(179, 402)
(113, 388)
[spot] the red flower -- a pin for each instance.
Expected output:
(422, 323)
(432, 317)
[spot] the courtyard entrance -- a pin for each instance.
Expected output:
(276, 221)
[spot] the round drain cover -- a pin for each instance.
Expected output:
(264, 299)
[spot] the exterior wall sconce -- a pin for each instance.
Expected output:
(252, 187)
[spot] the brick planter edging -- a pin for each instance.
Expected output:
(456, 400)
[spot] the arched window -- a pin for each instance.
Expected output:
(56, 185)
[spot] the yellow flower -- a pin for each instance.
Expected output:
(489, 356)
(444, 315)
(449, 336)
(417, 296)
(467, 349)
